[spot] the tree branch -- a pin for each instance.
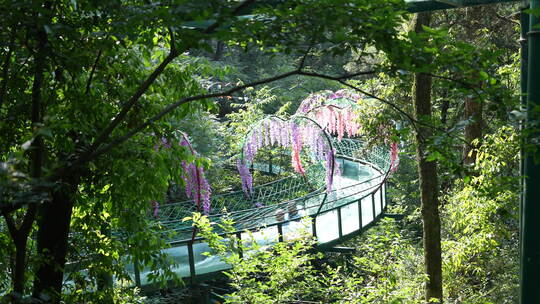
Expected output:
(182, 101)
(102, 137)
(92, 71)
(121, 116)
(5, 67)
(414, 122)
(12, 228)
(465, 84)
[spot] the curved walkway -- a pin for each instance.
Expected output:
(357, 201)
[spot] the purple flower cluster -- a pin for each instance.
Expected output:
(296, 135)
(197, 186)
(394, 159)
(164, 142)
(155, 206)
(269, 132)
(245, 175)
(337, 120)
(330, 114)
(324, 98)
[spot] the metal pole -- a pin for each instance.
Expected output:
(524, 25)
(359, 214)
(530, 224)
(191, 257)
(137, 272)
(340, 222)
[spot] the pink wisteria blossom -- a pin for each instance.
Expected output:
(334, 111)
(394, 159)
(197, 186)
(273, 131)
(155, 206)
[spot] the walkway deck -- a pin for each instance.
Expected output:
(357, 201)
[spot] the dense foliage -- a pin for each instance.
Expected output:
(95, 94)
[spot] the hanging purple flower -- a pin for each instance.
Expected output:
(296, 148)
(155, 206)
(330, 161)
(165, 143)
(394, 159)
(245, 176)
(197, 186)
(249, 154)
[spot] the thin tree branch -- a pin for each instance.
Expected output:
(180, 102)
(303, 60)
(465, 84)
(12, 228)
(5, 68)
(121, 116)
(173, 40)
(92, 71)
(229, 92)
(509, 18)
(414, 122)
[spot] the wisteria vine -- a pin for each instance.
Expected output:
(293, 134)
(193, 175)
(197, 186)
(335, 117)
(317, 116)
(335, 113)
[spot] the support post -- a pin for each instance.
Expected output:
(314, 226)
(373, 206)
(339, 220)
(191, 260)
(137, 272)
(530, 226)
(240, 243)
(359, 214)
(381, 198)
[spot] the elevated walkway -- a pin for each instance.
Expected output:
(357, 201)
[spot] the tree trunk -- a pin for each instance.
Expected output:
(473, 105)
(428, 180)
(54, 220)
(19, 237)
(473, 130)
(220, 46)
(20, 265)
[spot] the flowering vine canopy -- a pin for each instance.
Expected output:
(293, 134)
(318, 117)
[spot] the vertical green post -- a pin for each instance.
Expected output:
(530, 217)
(340, 223)
(524, 24)
(137, 272)
(191, 260)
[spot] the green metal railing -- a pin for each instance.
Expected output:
(354, 205)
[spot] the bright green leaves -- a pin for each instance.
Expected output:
(338, 26)
(282, 273)
(481, 220)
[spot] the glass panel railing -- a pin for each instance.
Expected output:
(378, 202)
(327, 226)
(367, 210)
(349, 218)
(207, 264)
